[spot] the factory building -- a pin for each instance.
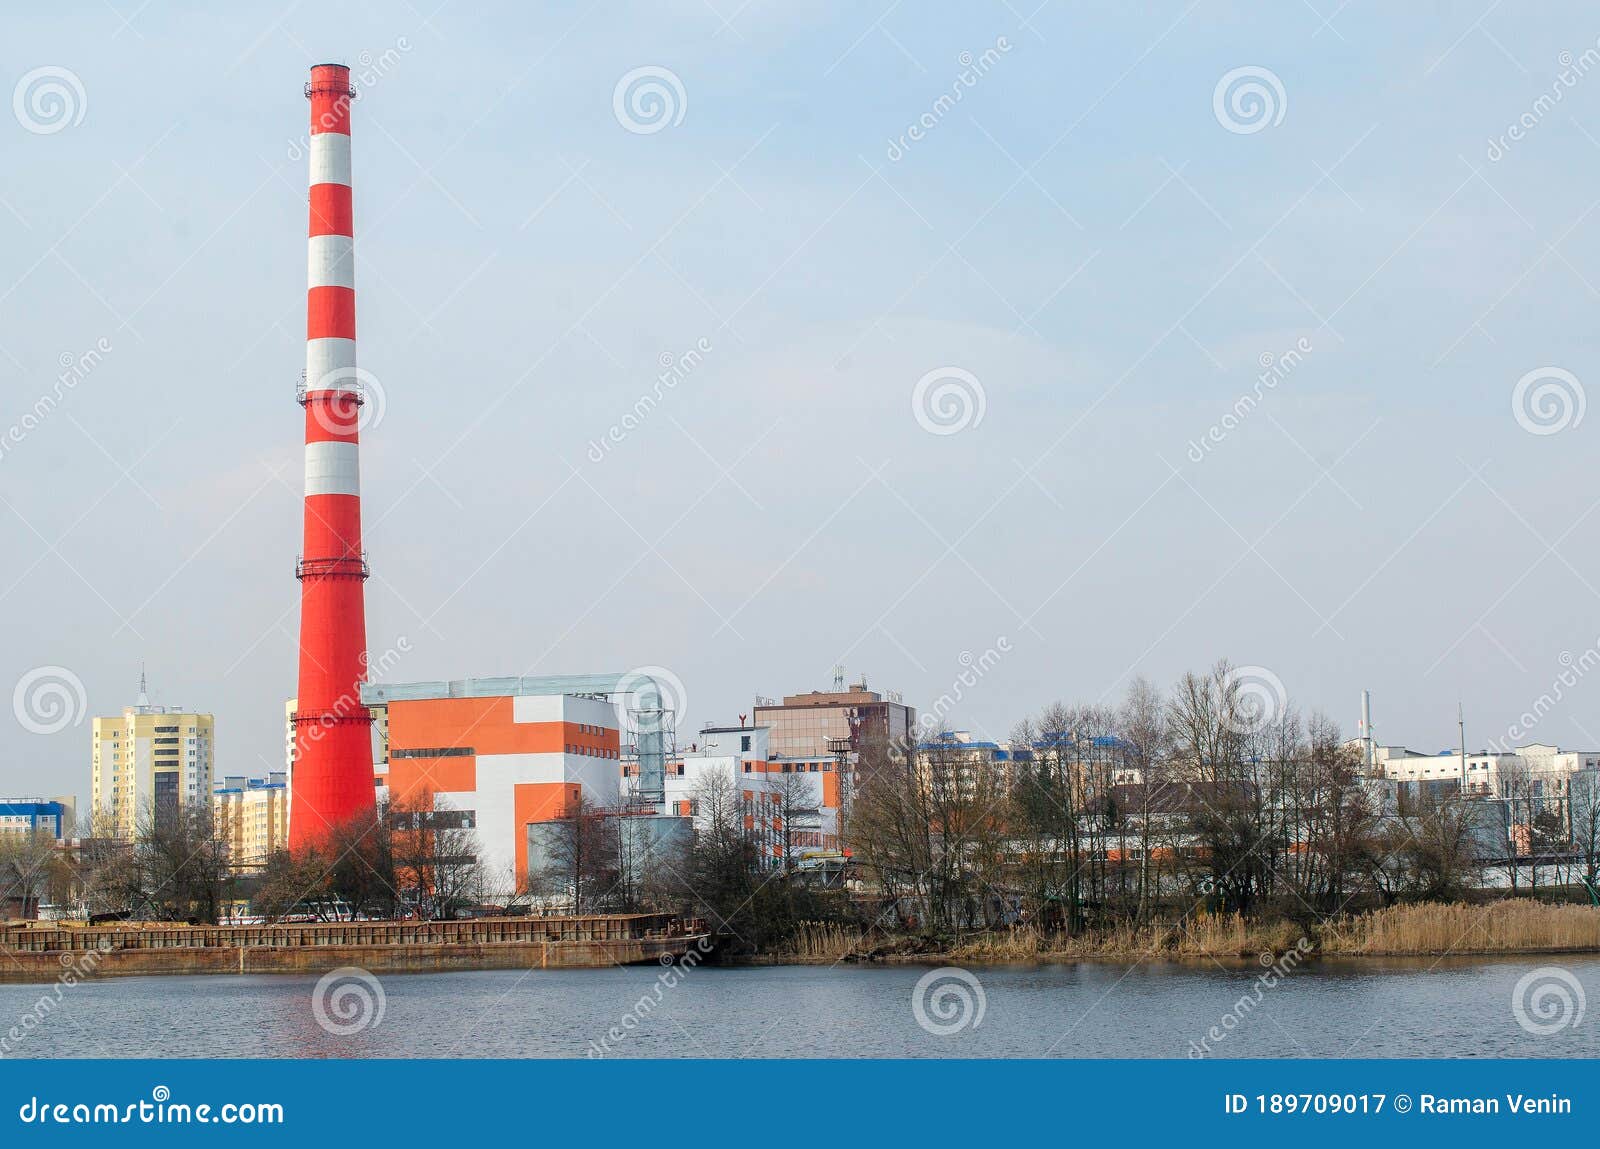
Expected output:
(793, 801)
(1538, 770)
(497, 754)
(147, 760)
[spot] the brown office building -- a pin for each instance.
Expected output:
(803, 724)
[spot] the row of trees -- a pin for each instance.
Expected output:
(1200, 795)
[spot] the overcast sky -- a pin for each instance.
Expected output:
(1094, 249)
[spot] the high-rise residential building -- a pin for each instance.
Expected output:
(252, 816)
(149, 760)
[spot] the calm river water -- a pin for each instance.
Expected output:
(1329, 1009)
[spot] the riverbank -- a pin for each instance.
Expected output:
(1508, 927)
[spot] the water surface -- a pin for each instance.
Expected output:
(1457, 1007)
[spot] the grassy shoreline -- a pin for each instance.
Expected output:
(1501, 928)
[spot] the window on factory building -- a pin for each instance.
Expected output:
(747, 767)
(744, 742)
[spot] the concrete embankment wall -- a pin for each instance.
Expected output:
(48, 965)
(44, 953)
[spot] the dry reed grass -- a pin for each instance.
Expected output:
(1506, 926)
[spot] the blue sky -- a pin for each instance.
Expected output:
(1081, 235)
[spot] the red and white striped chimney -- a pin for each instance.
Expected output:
(332, 785)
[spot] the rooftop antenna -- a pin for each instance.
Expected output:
(838, 678)
(144, 693)
(1461, 723)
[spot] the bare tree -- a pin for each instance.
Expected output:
(1584, 802)
(1148, 737)
(796, 796)
(582, 856)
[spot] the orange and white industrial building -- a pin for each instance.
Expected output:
(501, 755)
(496, 754)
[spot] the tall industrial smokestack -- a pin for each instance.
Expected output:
(1368, 753)
(333, 781)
